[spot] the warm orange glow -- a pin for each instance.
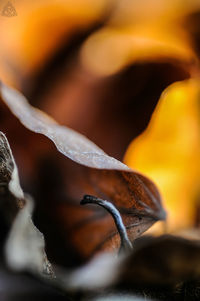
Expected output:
(130, 32)
(28, 39)
(111, 49)
(137, 33)
(134, 31)
(168, 151)
(155, 11)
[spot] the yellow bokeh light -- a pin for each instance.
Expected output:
(29, 39)
(168, 151)
(111, 49)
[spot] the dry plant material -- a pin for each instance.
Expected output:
(129, 46)
(158, 262)
(126, 245)
(24, 246)
(164, 268)
(162, 261)
(135, 196)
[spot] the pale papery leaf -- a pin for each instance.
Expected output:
(100, 272)
(24, 246)
(72, 144)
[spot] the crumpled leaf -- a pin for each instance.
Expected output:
(67, 141)
(24, 247)
(135, 196)
(59, 82)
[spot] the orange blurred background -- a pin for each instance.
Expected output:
(117, 35)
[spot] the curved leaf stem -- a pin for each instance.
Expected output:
(125, 242)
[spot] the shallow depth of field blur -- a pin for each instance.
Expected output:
(125, 74)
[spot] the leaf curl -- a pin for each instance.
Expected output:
(135, 196)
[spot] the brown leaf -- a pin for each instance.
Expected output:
(163, 261)
(134, 195)
(161, 268)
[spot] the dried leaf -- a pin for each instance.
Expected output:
(24, 247)
(55, 80)
(134, 195)
(70, 143)
(163, 261)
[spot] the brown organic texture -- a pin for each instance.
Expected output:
(23, 243)
(135, 196)
(110, 109)
(164, 268)
(163, 261)
(11, 199)
(112, 105)
(58, 80)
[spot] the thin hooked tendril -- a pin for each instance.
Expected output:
(125, 242)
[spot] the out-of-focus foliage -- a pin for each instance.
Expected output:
(168, 151)
(30, 38)
(133, 31)
(102, 67)
(114, 36)
(140, 31)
